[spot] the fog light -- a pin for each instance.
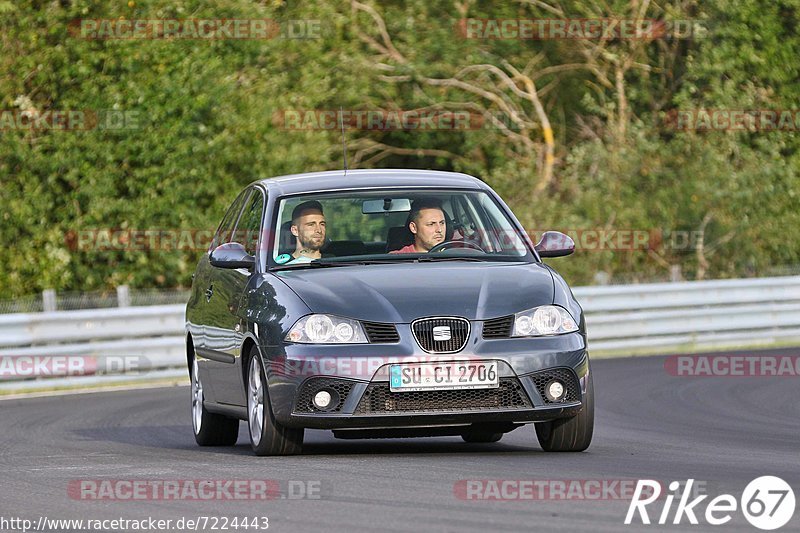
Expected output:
(554, 391)
(322, 399)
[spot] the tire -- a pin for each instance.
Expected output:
(210, 429)
(478, 435)
(267, 435)
(569, 434)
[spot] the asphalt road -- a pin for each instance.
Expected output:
(721, 431)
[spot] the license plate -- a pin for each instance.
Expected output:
(443, 376)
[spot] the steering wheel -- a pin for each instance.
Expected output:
(458, 244)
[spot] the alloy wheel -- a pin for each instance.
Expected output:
(255, 400)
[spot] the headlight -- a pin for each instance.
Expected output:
(544, 320)
(326, 329)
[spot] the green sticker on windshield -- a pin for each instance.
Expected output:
(283, 258)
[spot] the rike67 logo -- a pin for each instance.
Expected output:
(767, 503)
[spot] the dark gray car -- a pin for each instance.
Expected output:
(383, 303)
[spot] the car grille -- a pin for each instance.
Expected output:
(378, 398)
(565, 376)
(380, 333)
(498, 328)
(423, 330)
(311, 386)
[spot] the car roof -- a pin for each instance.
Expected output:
(369, 178)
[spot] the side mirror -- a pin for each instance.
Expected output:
(555, 244)
(231, 255)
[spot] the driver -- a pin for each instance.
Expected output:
(308, 226)
(427, 224)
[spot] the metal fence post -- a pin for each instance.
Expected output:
(675, 273)
(123, 296)
(49, 300)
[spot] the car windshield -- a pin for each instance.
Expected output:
(383, 226)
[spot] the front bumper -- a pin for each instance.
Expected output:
(359, 378)
(418, 420)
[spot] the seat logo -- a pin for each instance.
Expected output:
(441, 333)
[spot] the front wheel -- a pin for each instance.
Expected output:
(267, 435)
(210, 429)
(569, 434)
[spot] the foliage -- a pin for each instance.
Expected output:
(208, 123)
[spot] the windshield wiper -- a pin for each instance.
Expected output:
(399, 258)
(304, 266)
(433, 258)
(352, 262)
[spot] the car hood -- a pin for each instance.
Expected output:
(403, 292)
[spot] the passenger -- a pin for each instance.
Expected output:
(427, 224)
(308, 226)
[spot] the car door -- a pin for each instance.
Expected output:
(202, 316)
(229, 322)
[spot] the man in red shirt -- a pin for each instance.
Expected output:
(428, 226)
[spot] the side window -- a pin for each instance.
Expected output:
(249, 226)
(505, 238)
(223, 234)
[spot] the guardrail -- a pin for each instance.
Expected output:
(97, 340)
(682, 317)
(692, 316)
